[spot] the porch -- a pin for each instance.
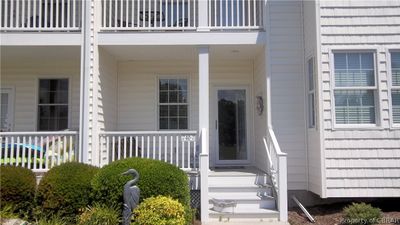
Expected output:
(40, 103)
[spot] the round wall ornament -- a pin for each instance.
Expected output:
(259, 105)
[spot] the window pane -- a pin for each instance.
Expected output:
(183, 84)
(183, 124)
(163, 110)
(163, 96)
(311, 116)
(355, 107)
(163, 84)
(340, 61)
(395, 61)
(173, 123)
(396, 106)
(173, 97)
(163, 123)
(310, 74)
(356, 71)
(182, 97)
(173, 110)
(353, 61)
(183, 111)
(173, 85)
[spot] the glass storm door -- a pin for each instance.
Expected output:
(6, 116)
(232, 126)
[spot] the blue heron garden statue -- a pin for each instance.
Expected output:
(131, 196)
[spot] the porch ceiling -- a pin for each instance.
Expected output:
(21, 54)
(220, 52)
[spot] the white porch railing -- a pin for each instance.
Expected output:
(170, 15)
(38, 151)
(149, 14)
(235, 14)
(40, 15)
(277, 169)
(175, 147)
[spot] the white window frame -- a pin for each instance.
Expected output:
(37, 97)
(177, 77)
(375, 89)
(391, 87)
(311, 122)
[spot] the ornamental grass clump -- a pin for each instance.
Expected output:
(159, 210)
(100, 215)
(361, 214)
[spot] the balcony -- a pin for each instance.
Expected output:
(40, 15)
(181, 15)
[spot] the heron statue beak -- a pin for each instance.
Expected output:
(125, 173)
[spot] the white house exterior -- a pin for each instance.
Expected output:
(253, 98)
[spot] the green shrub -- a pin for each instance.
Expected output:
(100, 215)
(159, 210)
(7, 212)
(17, 188)
(156, 178)
(65, 189)
(361, 214)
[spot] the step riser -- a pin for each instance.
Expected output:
(262, 204)
(235, 181)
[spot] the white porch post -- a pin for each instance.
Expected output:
(203, 15)
(204, 78)
(84, 84)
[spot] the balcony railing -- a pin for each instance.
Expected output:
(38, 151)
(40, 15)
(175, 147)
(149, 14)
(170, 15)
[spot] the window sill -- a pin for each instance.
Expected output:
(357, 127)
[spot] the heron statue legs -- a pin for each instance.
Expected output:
(131, 196)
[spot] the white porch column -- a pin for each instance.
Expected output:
(204, 118)
(203, 15)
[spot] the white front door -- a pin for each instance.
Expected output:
(231, 125)
(7, 106)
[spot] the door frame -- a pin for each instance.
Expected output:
(11, 92)
(215, 128)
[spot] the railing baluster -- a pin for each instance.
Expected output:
(6, 155)
(160, 147)
(35, 152)
(154, 148)
(177, 150)
(17, 8)
(183, 152)
(171, 149)
(119, 148)
(188, 154)
(195, 154)
(130, 146)
(165, 148)
(125, 145)
(113, 149)
(136, 146)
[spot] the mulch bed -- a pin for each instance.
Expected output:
(332, 214)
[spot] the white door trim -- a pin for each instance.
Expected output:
(214, 128)
(11, 92)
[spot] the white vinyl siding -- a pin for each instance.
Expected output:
(355, 88)
(360, 161)
(395, 92)
(311, 93)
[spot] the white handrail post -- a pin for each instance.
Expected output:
(283, 198)
(204, 165)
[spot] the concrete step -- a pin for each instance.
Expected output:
(245, 212)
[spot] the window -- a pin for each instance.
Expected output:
(173, 104)
(354, 88)
(395, 62)
(311, 93)
(53, 104)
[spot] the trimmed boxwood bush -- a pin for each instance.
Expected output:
(17, 188)
(159, 210)
(156, 178)
(361, 214)
(66, 189)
